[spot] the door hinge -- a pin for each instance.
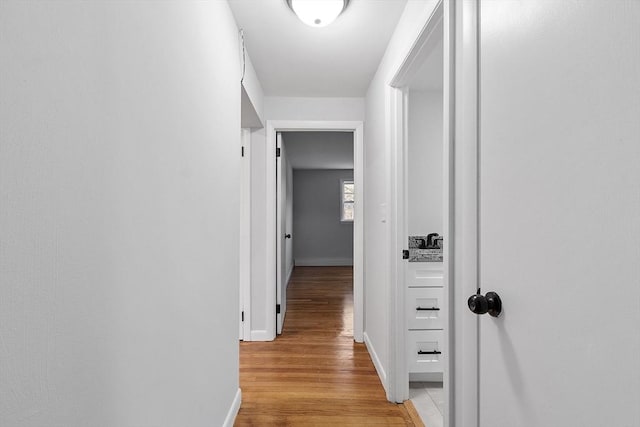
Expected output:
(243, 151)
(278, 152)
(405, 254)
(242, 316)
(277, 308)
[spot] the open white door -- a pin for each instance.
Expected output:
(245, 238)
(559, 228)
(281, 285)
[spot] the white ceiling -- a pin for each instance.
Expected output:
(293, 59)
(319, 150)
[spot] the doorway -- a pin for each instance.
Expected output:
(422, 227)
(314, 205)
(421, 140)
(276, 292)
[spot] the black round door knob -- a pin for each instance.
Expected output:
(489, 303)
(287, 236)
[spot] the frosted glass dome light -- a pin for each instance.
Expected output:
(317, 13)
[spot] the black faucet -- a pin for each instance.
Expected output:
(431, 244)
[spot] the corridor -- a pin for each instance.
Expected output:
(314, 373)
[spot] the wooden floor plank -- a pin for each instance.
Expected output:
(314, 374)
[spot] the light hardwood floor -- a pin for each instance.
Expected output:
(314, 374)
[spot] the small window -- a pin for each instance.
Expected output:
(347, 199)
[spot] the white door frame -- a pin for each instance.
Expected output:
(461, 215)
(398, 382)
(398, 96)
(465, 252)
(281, 297)
(245, 236)
(356, 127)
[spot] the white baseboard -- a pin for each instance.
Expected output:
(261, 335)
(233, 410)
(323, 262)
(376, 361)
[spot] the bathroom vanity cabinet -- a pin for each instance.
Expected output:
(426, 311)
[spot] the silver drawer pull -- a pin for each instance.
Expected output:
(428, 308)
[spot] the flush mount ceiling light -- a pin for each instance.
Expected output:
(317, 13)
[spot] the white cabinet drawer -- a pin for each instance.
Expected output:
(424, 274)
(425, 308)
(424, 351)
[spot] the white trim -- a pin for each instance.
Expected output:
(375, 359)
(233, 410)
(398, 384)
(420, 49)
(358, 233)
(465, 243)
(358, 229)
(281, 297)
(270, 231)
(448, 204)
(261, 335)
(245, 237)
(323, 262)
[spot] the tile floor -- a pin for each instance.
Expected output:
(428, 398)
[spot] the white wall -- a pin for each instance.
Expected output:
(253, 90)
(258, 237)
(281, 108)
(377, 209)
(424, 163)
(321, 238)
(287, 108)
(120, 126)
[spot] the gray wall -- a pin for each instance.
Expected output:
(120, 128)
(320, 150)
(319, 237)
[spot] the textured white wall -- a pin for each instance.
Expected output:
(119, 164)
(377, 178)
